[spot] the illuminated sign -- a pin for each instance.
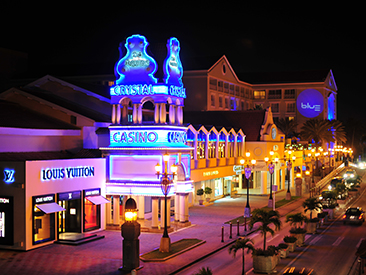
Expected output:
(210, 173)
(136, 67)
(310, 103)
(148, 137)
(69, 173)
(173, 68)
(135, 71)
(44, 199)
(4, 200)
(9, 175)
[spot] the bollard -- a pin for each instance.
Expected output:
(222, 234)
(231, 231)
(237, 226)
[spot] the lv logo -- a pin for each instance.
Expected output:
(9, 175)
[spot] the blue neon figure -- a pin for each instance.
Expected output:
(136, 67)
(173, 69)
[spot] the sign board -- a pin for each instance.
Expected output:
(310, 103)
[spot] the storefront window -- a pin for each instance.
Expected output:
(6, 221)
(201, 144)
(212, 149)
(91, 210)
(222, 145)
(44, 208)
(231, 145)
(218, 187)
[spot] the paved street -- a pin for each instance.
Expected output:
(105, 256)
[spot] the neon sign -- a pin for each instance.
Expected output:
(310, 103)
(9, 176)
(173, 68)
(70, 172)
(136, 67)
(149, 136)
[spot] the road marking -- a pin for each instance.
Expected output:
(275, 236)
(315, 240)
(338, 241)
(307, 237)
(359, 242)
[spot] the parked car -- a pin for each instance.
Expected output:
(335, 181)
(354, 215)
(299, 270)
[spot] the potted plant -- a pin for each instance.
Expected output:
(208, 191)
(297, 220)
(242, 243)
(312, 204)
(291, 242)
(200, 193)
(284, 250)
(265, 260)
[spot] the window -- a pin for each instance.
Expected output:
(219, 86)
(213, 84)
(91, 211)
(231, 89)
(212, 100)
(242, 92)
(275, 107)
(274, 94)
(226, 88)
(237, 91)
(290, 93)
(220, 102)
(43, 221)
(226, 103)
(290, 107)
(232, 104)
(259, 94)
(242, 106)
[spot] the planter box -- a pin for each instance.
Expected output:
(263, 264)
(284, 252)
(311, 227)
(330, 212)
(291, 247)
(300, 238)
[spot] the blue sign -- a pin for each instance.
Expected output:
(173, 68)
(310, 103)
(9, 176)
(136, 67)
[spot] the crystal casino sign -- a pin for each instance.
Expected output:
(310, 103)
(135, 71)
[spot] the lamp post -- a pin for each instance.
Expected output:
(165, 181)
(247, 173)
(130, 232)
(271, 168)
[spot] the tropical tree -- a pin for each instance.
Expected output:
(288, 127)
(317, 130)
(265, 218)
(296, 220)
(204, 271)
(338, 131)
(312, 204)
(242, 243)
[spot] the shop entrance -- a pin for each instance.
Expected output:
(69, 220)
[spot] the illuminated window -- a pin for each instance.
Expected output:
(274, 94)
(231, 145)
(110, 83)
(221, 148)
(239, 145)
(259, 94)
(201, 145)
(232, 104)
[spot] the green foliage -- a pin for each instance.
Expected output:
(265, 218)
(200, 192)
(204, 271)
(312, 204)
(208, 190)
(296, 220)
(270, 251)
(242, 243)
(289, 239)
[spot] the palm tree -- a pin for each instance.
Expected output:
(317, 130)
(339, 131)
(204, 271)
(265, 218)
(296, 220)
(242, 243)
(312, 204)
(288, 127)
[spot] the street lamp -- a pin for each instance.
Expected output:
(247, 173)
(166, 180)
(271, 168)
(130, 232)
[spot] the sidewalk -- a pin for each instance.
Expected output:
(105, 256)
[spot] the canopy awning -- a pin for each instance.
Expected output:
(50, 207)
(97, 200)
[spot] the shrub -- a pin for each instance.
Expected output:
(199, 192)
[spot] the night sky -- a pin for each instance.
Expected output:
(257, 38)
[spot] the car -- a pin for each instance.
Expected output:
(362, 165)
(299, 270)
(354, 215)
(335, 181)
(349, 174)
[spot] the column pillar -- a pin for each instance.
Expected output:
(176, 207)
(184, 208)
(264, 182)
(157, 113)
(114, 114)
(135, 113)
(124, 119)
(139, 114)
(155, 212)
(171, 114)
(179, 116)
(140, 207)
(118, 114)
(162, 113)
(116, 212)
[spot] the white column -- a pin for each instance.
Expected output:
(264, 182)
(141, 207)
(116, 211)
(183, 200)
(168, 204)
(113, 114)
(124, 114)
(157, 113)
(135, 113)
(162, 113)
(176, 207)
(108, 211)
(118, 118)
(139, 113)
(179, 116)
(155, 210)
(171, 114)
